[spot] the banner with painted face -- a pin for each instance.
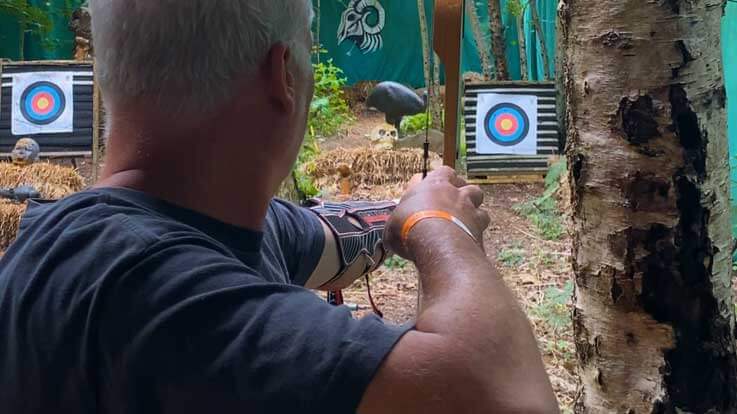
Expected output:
(506, 124)
(42, 103)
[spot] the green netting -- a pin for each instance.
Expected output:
(400, 57)
(19, 44)
(729, 46)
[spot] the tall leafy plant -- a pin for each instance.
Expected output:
(31, 18)
(329, 113)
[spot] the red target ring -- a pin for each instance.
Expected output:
(506, 125)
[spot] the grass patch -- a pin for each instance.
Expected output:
(553, 310)
(543, 211)
(395, 263)
(513, 256)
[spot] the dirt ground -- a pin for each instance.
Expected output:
(534, 268)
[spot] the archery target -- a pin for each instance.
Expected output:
(42, 103)
(506, 124)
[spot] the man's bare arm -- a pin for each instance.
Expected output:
(473, 349)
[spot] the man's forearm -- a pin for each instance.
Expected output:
(464, 299)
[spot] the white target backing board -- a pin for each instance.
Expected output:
(506, 124)
(42, 103)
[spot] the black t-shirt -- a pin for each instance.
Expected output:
(112, 301)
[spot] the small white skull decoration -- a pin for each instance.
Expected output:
(384, 136)
(362, 22)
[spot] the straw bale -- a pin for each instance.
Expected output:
(370, 166)
(10, 214)
(52, 181)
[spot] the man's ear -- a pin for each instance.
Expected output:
(281, 82)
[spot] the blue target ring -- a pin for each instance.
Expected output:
(506, 124)
(42, 103)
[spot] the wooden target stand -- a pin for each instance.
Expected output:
(84, 141)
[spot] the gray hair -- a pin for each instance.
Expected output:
(186, 54)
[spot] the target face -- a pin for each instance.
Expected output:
(507, 124)
(42, 103)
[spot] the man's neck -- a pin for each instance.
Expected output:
(231, 186)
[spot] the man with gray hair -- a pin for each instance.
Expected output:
(179, 285)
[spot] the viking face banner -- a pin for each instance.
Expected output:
(42, 103)
(506, 124)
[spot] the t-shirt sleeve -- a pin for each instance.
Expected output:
(191, 330)
(301, 238)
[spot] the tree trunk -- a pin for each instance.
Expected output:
(317, 29)
(498, 46)
(426, 64)
(478, 37)
(654, 317)
(522, 45)
(541, 38)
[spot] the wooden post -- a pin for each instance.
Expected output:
(447, 34)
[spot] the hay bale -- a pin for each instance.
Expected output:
(370, 166)
(10, 214)
(52, 181)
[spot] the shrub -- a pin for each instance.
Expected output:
(329, 113)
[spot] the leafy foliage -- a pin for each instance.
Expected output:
(415, 123)
(512, 256)
(329, 113)
(329, 109)
(516, 8)
(543, 211)
(31, 18)
(395, 262)
(553, 310)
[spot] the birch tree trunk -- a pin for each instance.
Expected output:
(498, 46)
(654, 316)
(426, 59)
(478, 37)
(317, 29)
(436, 101)
(522, 45)
(541, 38)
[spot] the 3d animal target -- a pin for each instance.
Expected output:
(42, 103)
(506, 124)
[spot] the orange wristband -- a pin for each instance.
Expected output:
(428, 214)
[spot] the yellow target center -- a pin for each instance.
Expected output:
(507, 124)
(43, 103)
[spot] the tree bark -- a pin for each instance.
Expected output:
(317, 29)
(522, 46)
(426, 59)
(478, 37)
(437, 99)
(653, 315)
(541, 38)
(498, 46)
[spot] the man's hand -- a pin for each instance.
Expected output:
(441, 190)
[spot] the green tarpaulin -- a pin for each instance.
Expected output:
(399, 55)
(19, 44)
